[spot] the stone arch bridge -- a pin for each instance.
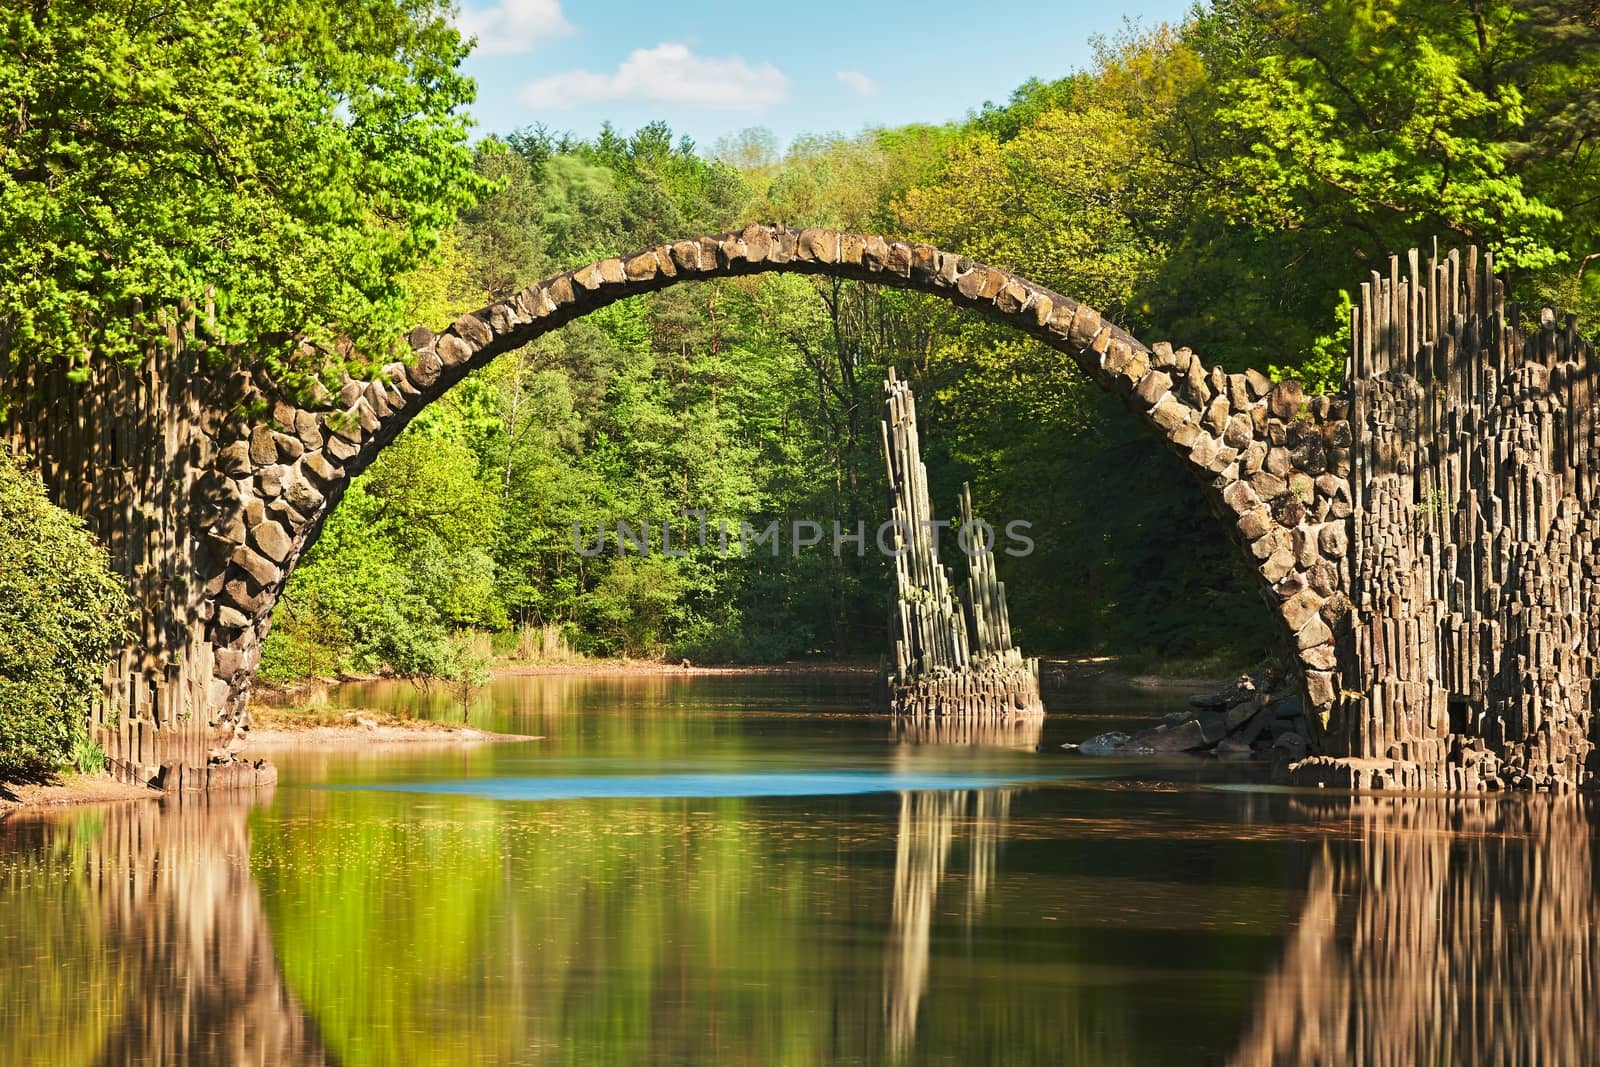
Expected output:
(1425, 536)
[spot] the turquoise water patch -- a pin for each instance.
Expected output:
(592, 787)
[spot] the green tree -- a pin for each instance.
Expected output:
(62, 612)
(297, 157)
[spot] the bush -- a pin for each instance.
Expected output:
(62, 612)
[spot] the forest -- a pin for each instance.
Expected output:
(1225, 183)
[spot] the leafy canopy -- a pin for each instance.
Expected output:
(299, 157)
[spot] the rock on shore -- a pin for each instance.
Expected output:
(1260, 716)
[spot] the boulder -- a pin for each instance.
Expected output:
(1183, 737)
(1232, 749)
(1291, 746)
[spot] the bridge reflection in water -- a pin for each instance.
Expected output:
(153, 947)
(1427, 931)
(1441, 931)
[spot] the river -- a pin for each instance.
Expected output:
(750, 870)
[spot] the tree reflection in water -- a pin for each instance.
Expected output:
(152, 948)
(1442, 931)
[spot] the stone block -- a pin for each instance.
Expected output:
(1155, 385)
(686, 254)
(1320, 689)
(641, 268)
(1241, 498)
(1321, 658)
(272, 541)
(452, 350)
(1253, 524)
(1217, 420)
(1277, 565)
(1288, 510)
(1286, 400)
(1267, 484)
(303, 496)
(251, 601)
(1252, 457)
(270, 481)
(260, 569)
(341, 448)
(472, 329)
(817, 245)
(289, 448)
(1315, 632)
(1299, 609)
(317, 465)
(306, 430)
(1169, 414)
(1333, 540)
(234, 459)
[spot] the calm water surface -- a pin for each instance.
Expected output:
(752, 871)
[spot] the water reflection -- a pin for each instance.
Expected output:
(1131, 921)
(135, 935)
(1441, 931)
(929, 825)
(1022, 731)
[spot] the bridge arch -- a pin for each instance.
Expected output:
(1426, 537)
(291, 469)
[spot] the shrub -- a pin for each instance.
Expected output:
(62, 612)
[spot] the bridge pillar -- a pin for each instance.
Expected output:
(130, 450)
(1468, 658)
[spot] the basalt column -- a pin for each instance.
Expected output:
(130, 449)
(1467, 659)
(952, 650)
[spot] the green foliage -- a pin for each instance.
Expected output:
(400, 562)
(298, 157)
(1224, 183)
(87, 755)
(62, 611)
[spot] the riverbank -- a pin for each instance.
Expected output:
(63, 790)
(1132, 673)
(361, 727)
(1137, 673)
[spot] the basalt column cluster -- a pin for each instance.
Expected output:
(953, 655)
(1469, 660)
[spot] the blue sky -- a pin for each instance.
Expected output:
(794, 67)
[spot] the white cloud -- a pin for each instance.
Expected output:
(669, 73)
(514, 25)
(858, 81)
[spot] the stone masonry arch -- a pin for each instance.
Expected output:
(226, 482)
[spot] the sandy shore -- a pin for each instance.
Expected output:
(68, 789)
(612, 668)
(362, 729)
